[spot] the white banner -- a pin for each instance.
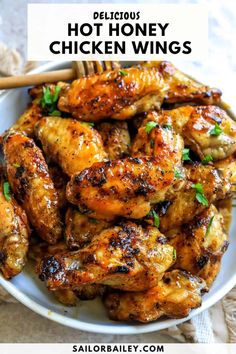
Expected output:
(117, 348)
(117, 31)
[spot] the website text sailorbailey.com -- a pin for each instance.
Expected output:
(118, 348)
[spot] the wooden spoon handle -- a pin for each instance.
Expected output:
(37, 79)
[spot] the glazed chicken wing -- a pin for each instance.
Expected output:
(80, 229)
(128, 187)
(125, 187)
(14, 236)
(125, 257)
(116, 138)
(175, 295)
(185, 205)
(67, 297)
(73, 145)
(25, 124)
(208, 130)
(121, 94)
(201, 244)
(30, 181)
(118, 94)
(182, 88)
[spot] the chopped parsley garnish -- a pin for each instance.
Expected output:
(185, 155)
(89, 124)
(55, 113)
(94, 221)
(174, 254)
(123, 72)
(167, 126)
(207, 159)
(150, 126)
(216, 131)
(178, 173)
(200, 194)
(156, 220)
(6, 191)
(152, 143)
(16, 165)
(49, 100)
(209, 225)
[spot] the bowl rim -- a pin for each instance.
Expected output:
(117, 328)
(125, 329)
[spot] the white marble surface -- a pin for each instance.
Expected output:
(18, 324)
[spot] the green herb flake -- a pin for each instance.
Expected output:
(207, 159)
(55, 113)
(150, 126)
(200, 194)
(6, 191)
(94, 221)
(49, 100)
(185, 155)
(123, 72)
(209, 226)
(89, 124)
(178, 173)
(167, 126)
(55, 96)
(156, 220)
(174, 254)
(16, 165)
(216, 131)
(46, 99)
(152, 143)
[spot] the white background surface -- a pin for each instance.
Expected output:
(18, 324)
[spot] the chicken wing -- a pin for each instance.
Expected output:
(125, 187)
(25, 124)
(119, 94)
(116, 138)
(208, 130)
(201, 244)
(182, 88)
(14, 235)
(175, 295)
(185, 206)
(80, 229)
(67, 297)
(124, 257)
(30, 181)
(128, 187)
(73, 145)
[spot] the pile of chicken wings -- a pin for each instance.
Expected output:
(118, 185)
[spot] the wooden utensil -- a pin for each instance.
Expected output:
(79, 69)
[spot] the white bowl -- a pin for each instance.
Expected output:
(91, 315)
